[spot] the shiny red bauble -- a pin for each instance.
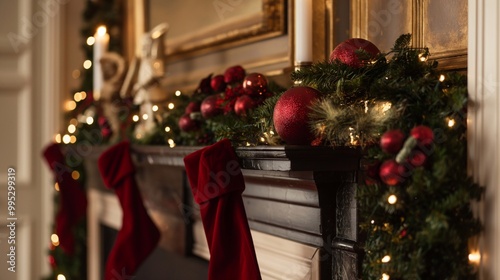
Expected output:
(217, 83)
(345, 52)
(291, 115)
(243, 104)
(423, 134)
(391, 172)
(192, 107)
(392, 141)
(234, 74)
(210, 107)
(417, 158)
(187, 124)
(255, 84)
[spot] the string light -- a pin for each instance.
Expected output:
(271, 132)
(87, 64)
(385, 276)
(441, 78)
(154, 108)
(138, 136)
(171, 106)
(73, 121)
(422, 57)
(84, 94)
(90, 40)
(101, 30)
(58, 138)
(392, 199)
(54, 239)
(171, 143)
(145, 116)
(167, 129)
(90, 120)
(78, 96)
(475, 258)
(135, 118)
(248, 144)
(56, 186)
(451, 122)
(61, 277)
(72, 139)
(177, 93)
(71, 128)
(66, 139)
(70, 105)
(262, 139)
(75, 175)
(386, 259)
(372, 222)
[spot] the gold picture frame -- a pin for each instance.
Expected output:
(269, 22)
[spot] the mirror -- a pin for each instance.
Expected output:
(206, 26)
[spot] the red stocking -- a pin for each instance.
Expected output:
(217, 183)
(138, 236)
(73, 201)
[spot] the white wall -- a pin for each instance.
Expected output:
(484, 123)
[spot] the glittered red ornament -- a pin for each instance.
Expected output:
(255, 84)
(423, 134)
(187, 124)
(234, 74)
(192, 107)
(243, 105)
(291, 115)
(345, 52)
(392, 141)
(210, 107)
(417, 158)
(217, 83)
(391, 172)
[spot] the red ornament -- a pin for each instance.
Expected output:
(243, 105)
(255, 84)
(234, 74)
(217, 83)
(192, 107)
(187, 124)
(52, 262)
(417, 158)
(291, 115)
(391, 172)
(423, 134)
(392, 141)
(210, 107)
(105, 128)
(204, 87)
(345, 52)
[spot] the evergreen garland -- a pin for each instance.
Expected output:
(424, 234)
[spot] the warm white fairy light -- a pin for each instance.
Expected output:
(77, 96)
(90, 40)
(475, 258)
(248, 144)
(135, 118)
(66, 139)
(58, 138)
(75, 175)
(56, 187)
(386, 259)
(145, 116)
(385, 276)
(372, 222)
(138, 136)
(84, 94)
(72, 139)
(171, 143)
(54, 239)
(89, 120)
(441, 78)
(61, 277)
(271, 132)
(177, 93)
(70, 105)
(87, 64)
(154, 108)
(392, 199)
(451, 122)
(171, 106)
(71, 128)
(262, 139)
(167, 129)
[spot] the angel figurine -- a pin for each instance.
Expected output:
(147, 71)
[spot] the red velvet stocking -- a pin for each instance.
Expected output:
(73, 201)
(138, 236)
(217, 183)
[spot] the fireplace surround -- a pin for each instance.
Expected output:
(300, 204)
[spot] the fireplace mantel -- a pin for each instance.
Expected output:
(301, 195)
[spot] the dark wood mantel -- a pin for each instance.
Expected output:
(300, 193)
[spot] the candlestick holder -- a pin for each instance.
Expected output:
(300, 65)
